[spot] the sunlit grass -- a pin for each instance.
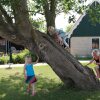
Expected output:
(49, 86)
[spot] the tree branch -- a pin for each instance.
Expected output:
(49, 10)
(7, 17)
(21, 16)
(17, 39)
(7, 32)
(53, 6)
(46, 8)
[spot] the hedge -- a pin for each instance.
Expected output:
(17, 58)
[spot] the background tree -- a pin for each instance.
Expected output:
(17, 28)
(51, 8)
(39, 24)
(94, 13)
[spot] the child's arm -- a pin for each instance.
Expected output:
(90, 62)
(24, 72)
(36, 60)
(60, 40)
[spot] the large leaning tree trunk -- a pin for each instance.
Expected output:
(69, 70)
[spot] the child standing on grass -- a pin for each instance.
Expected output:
(29, 74)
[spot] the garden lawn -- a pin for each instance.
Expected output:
(49, 86)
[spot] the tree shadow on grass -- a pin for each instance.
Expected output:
(14, 88)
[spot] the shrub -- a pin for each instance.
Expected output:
(17, 58)
(1, 60)
(4, 59)
(88, 57)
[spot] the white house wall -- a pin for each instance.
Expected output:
(81, 46)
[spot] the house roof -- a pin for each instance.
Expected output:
(84, 27)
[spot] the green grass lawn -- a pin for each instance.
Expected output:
(49, 86)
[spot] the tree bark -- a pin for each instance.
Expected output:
(70, 71)
(21, 17)
(50, 15)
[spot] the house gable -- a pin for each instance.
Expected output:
(84, 27)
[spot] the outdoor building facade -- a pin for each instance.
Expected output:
(85, 36)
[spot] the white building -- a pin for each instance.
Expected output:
(85, 36)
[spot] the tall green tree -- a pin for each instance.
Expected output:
(51, 8)
(94, 13)
(16, 27)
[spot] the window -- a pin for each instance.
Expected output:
(95, 43)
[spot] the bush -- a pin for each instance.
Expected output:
(4, 59)
(17, 58)
(88, 57)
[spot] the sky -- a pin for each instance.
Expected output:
(62, 19)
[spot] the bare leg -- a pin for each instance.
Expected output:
(29, 87)
(98, 72)
(33, 89)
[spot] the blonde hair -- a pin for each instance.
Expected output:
(51, 30)
(26, 58)
(96, 51)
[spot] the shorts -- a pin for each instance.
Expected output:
(30, 79)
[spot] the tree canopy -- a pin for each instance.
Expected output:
(51, 8)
